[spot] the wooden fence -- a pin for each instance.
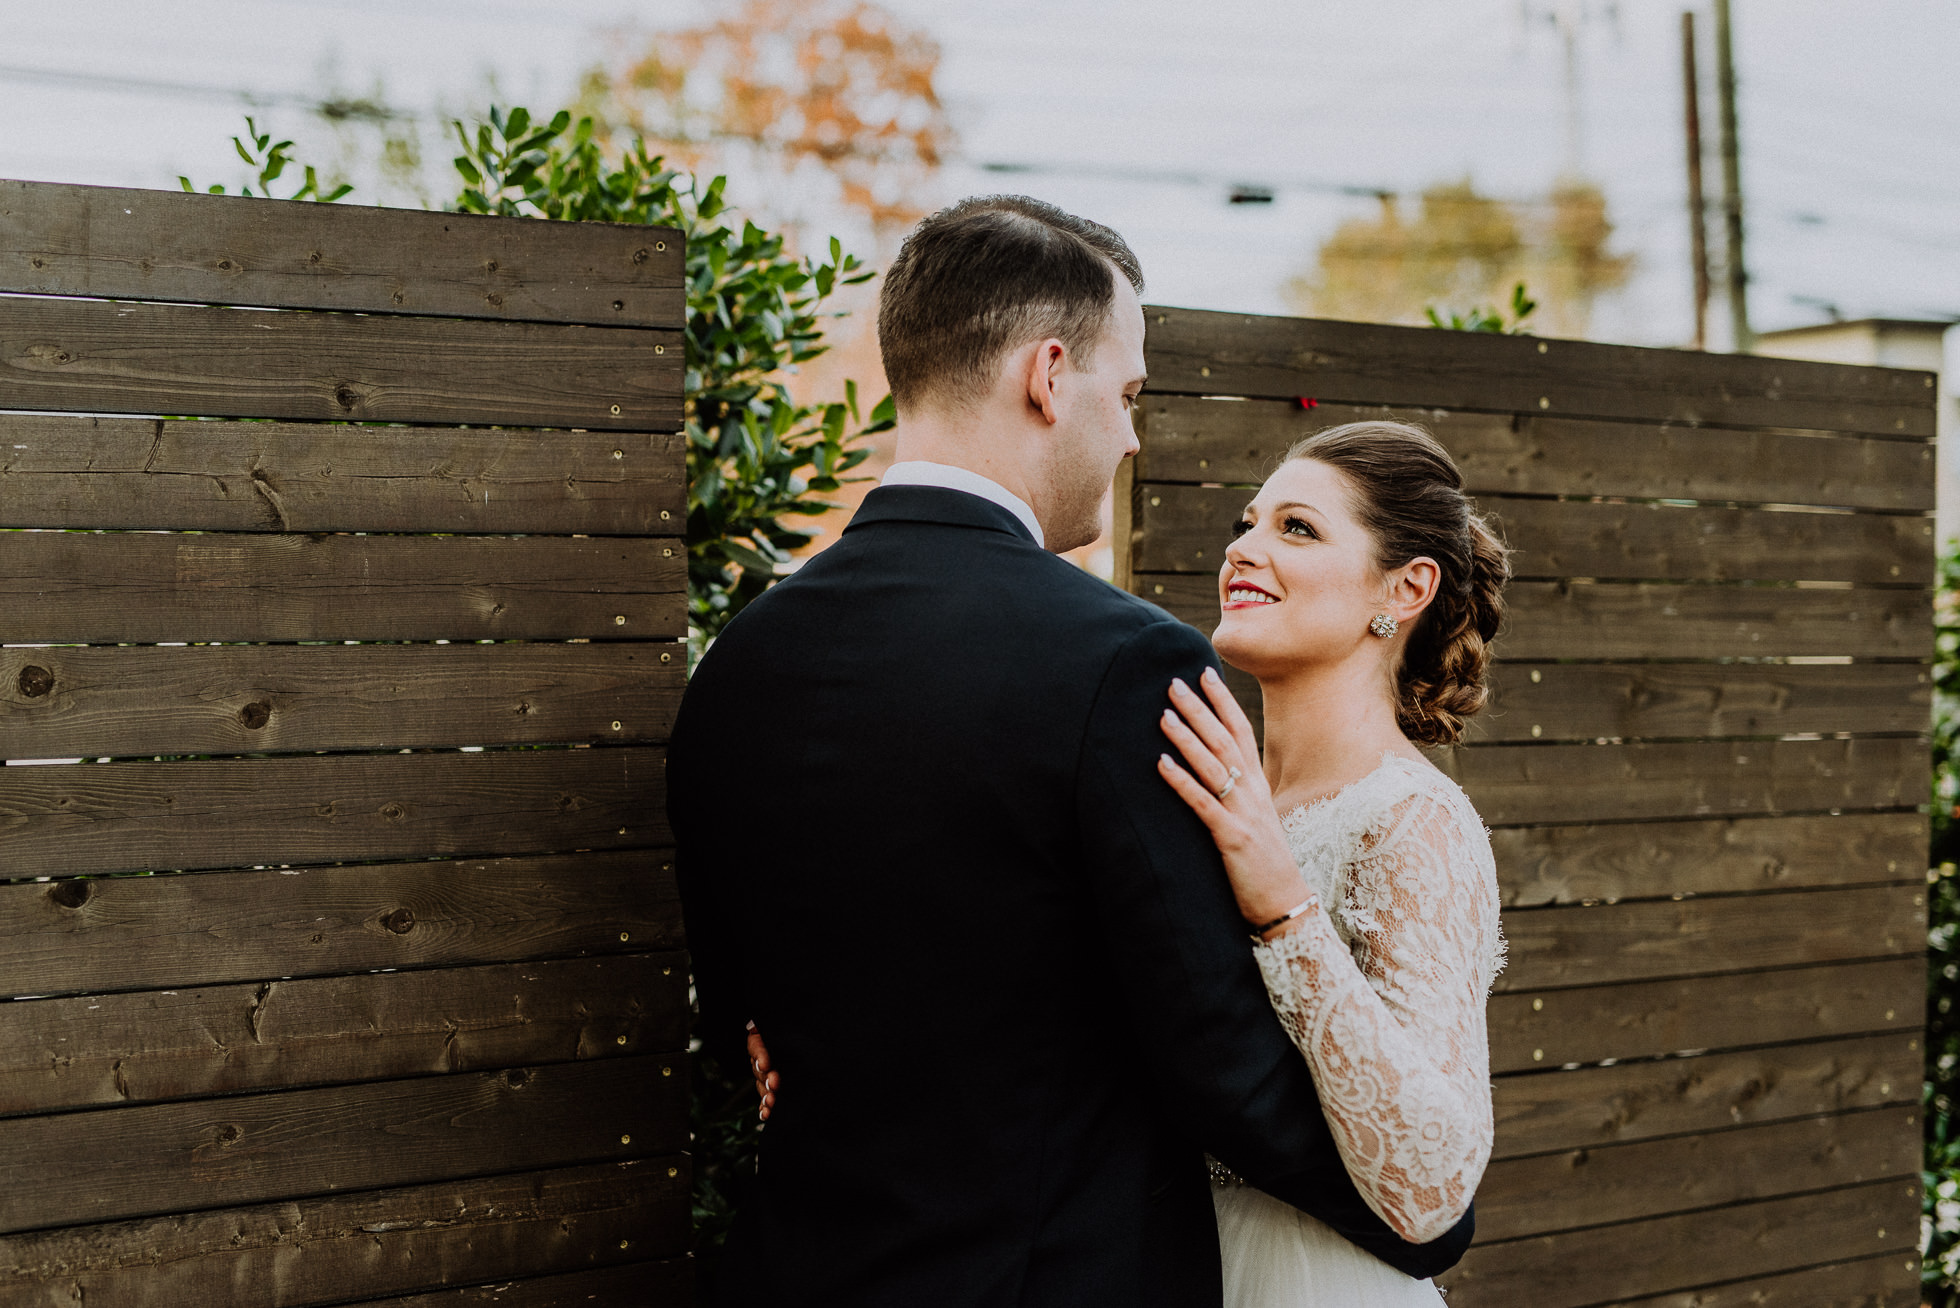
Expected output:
(343, 954)
(1704, 771)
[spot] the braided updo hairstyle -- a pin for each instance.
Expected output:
(1409, 495)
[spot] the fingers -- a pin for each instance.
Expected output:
(1203, 802)
(1233, 716)
(1204, 764)
(1205, 722)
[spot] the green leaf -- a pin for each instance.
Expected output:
(468, 170)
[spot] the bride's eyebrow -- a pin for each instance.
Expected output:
(1295, 504)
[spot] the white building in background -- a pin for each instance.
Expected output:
(1894, 343)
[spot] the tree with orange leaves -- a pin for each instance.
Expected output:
(836, 85)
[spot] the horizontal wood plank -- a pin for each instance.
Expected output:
(1887, 1281)
(318, 1251)
(117, 702)
(1622, 1183)
(102, 356)
(1580, 620)
(1648, 939)
(1188, 438)
(1186, 529)
(1580, 864)
(91, 588)
(118, 1163)
(155, 1046)
(665, 1284)
(1196, 352)
(1648, 1019)
(145, 473)
(178, 930)
(136, 817)
(1568, 701)
(1610, 1263)
(1519, 784)
(1588, 1107)
(167, 245)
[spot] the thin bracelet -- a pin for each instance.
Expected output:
(1259, 932)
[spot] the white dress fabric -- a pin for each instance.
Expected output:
(1384, 995)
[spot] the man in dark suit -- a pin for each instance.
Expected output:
(996, 962)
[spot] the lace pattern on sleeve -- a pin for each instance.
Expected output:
(1385, 995)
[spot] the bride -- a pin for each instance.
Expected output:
(1362, 591)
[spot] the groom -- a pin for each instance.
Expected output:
(996, 961)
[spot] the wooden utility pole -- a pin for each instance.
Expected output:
(1697, 210)
(1738, 277)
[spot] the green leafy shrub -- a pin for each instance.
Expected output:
(1487, 320)
(1940, 1219)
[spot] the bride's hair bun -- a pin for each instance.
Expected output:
(1409, 495)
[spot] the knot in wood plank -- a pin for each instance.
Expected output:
(35, 681)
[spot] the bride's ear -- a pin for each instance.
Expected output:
(1412, 587)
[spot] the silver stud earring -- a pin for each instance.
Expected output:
(1383, 625)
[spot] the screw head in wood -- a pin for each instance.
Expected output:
(619, 454)
(1537, 1005)
(673, 1171)
(1158, 589)
(1204, 463)
(1537, 1055)
(1544, 401)
(619, 1040)
(1536, 676)
(1204, 372)
(1888, 1015)
(660, 245)
(626, 1139)
(625, 936)
(615, 409)
(666, 658)
(615, 724)
(1542, 347)
(660, 349)
(667, 553)
(1536, 731)
(626, 1244)
(619, 619)
(666, 1071)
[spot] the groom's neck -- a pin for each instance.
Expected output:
(972, 443)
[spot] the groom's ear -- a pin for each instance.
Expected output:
(1044, 371)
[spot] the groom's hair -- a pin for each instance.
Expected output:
(990, 273)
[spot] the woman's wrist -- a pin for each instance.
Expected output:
(1267, 929)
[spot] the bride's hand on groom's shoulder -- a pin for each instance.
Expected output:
(767, 1080)
(1222, 781)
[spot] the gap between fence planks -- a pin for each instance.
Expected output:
(115, 1050)
(1196, 352)
(197, 929)
(1186, 528)
(206, 249)
(1679, 1251)
(1651, 939)
(117, 1163)
(670, 1281)
(1887, 1281)
(1648, 1019)
(100, 356)
(1563, 701)
(318, 1251)
(1620, 620)
(1241, 441)
(1620, 1183)
(231, 699)
(134, 817)
(68, 587)
(1590, 1107)
(59, 471)
(1657, 860)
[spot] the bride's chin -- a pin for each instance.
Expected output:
(1241, 652)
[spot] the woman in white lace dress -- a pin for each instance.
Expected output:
(1362, 591)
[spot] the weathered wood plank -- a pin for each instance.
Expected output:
(1622, 1183)
(1579, 620)
(1519, 784)
(1588, 1107)
(101, 356)
(1887, 1281)
(89, 588)
(155, 1046)
(99, 701)
(1648, 939)
(136, 817)
(1195, 352)
(1646, 1019)
(319, 1251)
(665, 1284)
(75, 472)
(167, 245)
(1187, 528)
(1568, 701)
(1578, 864)
(1661, 1254)
(136, 933)
(118, 1163)
(1187, 438)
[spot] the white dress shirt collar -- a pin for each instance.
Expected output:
(919, 472)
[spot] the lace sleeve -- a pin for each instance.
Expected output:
(1395, 1030)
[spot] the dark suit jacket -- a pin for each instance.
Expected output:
(923, 844)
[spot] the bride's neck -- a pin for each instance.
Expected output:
(1326, 726)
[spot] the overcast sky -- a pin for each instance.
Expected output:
(1146, 110)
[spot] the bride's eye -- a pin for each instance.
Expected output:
(1302, 528)
(1240, 528)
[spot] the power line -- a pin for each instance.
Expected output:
(338, 108)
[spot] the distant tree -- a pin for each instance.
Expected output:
(837, 86)
(1465, 248)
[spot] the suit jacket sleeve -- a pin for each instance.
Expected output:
(1183, 969)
